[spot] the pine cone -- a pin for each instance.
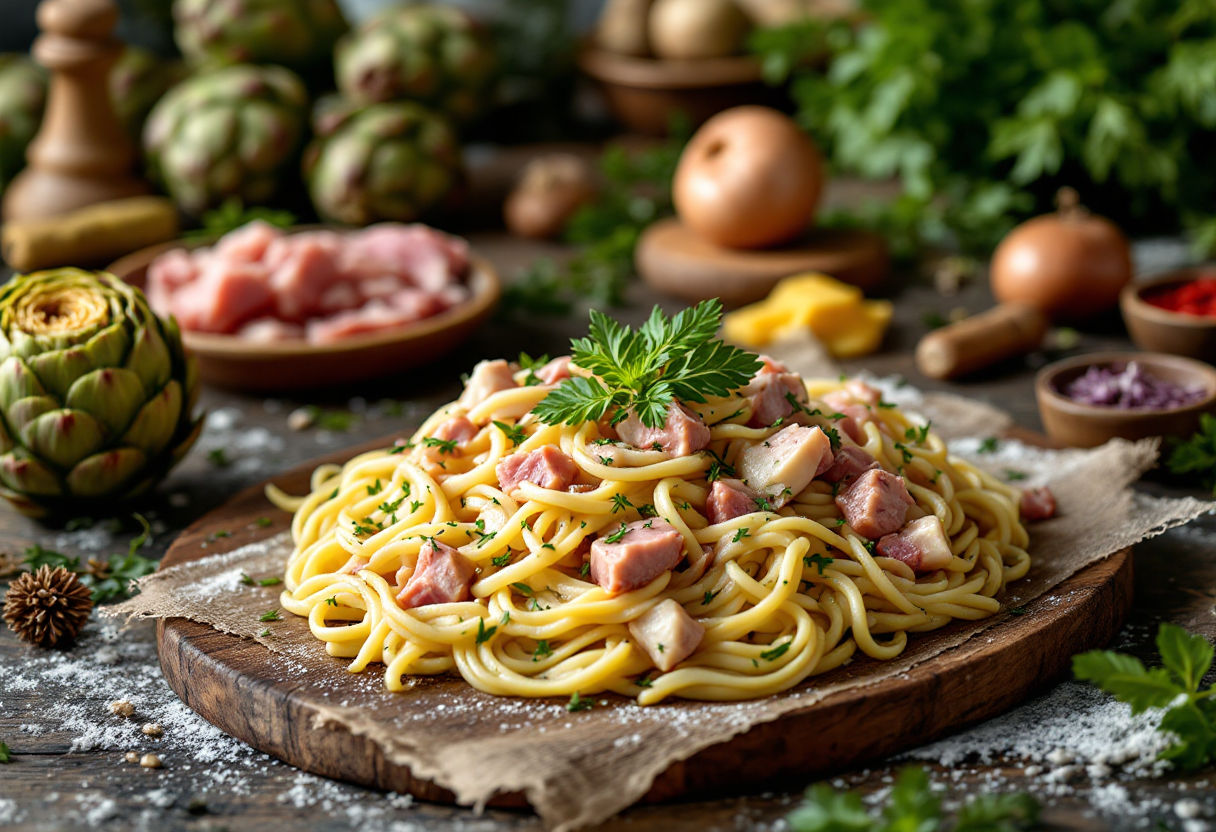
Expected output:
(47, 607)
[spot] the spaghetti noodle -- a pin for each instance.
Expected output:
(777, 594)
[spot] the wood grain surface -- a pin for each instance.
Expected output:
(226, 679)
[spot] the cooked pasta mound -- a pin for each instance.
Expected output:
(747, 543)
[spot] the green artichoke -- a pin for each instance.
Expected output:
(434, 54)
(137, 81)
(233, 131)
(294, 33)
(22, 98)
(392, 161)
(96, 392)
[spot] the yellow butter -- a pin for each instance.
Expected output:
(837, 314)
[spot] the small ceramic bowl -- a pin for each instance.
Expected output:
(644, 93)
(291, 365)
(1086, 426)
(1160, 330)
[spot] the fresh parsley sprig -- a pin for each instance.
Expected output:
(1197, 455)
(1190, 713)
(108, 579)
(646, 371)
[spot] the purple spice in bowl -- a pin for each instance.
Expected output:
(1129, 387)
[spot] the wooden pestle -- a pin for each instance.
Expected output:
(974, 343)
(80, 155)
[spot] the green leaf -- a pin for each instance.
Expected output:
(827, 810)
(1187, 656)
(1196, 736)
(998, 813)
(913, 806)
(5, 754)
(1127, 679)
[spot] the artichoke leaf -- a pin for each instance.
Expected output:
(17, 381)
(107, 473)
(59, 369)
(192, 385)
(63, 437)
(7, 443)
(23, 411)
(156, 421)
(150, 359)
(27, 475)
(113, 396)
(108, 347)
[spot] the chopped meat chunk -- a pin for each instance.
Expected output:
(863, 392)
(487, 378)
(922, 544)
(248, 243)
(786, 460)
(667, 634)
(848, 464)
(729, 499)
(302, 279)
(1038, 503)
(646, 550)
(457, 429)
(770, 395)
(352, 566)
(546, 467)
(223, 298)
(442, 576)
(771, 365)
(266, 330)
(682, 434)
(555, 371)
(876, 503)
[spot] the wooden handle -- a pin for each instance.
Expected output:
(1002, 332)
(89, 236)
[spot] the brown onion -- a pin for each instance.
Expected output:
(1069, 265)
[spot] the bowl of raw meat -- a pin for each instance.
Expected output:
(273, 310)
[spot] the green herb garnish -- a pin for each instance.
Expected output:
(514, 433)
(577, 703)
(272, 615)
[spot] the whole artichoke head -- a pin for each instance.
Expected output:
(393, 161)
(295, 33)
(233, 131)
(425, 52)
(96, 392)
(22, 99)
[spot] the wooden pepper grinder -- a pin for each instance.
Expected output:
(80, 155)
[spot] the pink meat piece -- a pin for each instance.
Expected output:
(417, 303)
(269, 330)
(429, 258)
(729, 499)
(771, 365)
(862, 392)
(785, 463)
(848, 464)
(248, 243)
(301, 280)
(855, 417)
(338, 298)
(546, 467)
(487, 378)
(441, 576)
(876, 503)
(224, 298)
(168, 273)
(380, 287)
(667, 634)
(555, 371)
(770, 396)
(922, 544)
(353, 565)
(453, 295)
(683, 433)
(457, 428)
(647, 550)
(1037, 503)
(373, 316)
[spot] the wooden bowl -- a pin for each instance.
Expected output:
(285, 366)
(1087, 426)
(1160, 330)
(644, 93)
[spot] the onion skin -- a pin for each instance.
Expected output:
(1069, 265)
(750, 178)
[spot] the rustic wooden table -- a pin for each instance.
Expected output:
(68, 766)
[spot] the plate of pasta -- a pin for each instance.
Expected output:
(658, 515)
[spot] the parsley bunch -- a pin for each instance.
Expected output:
(107, 579)
(645, 371)
(912, 807)
(1197, 455)
(1190, 712)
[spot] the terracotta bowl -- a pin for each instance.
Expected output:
(285, 366)
(643, 93)
(1087, 426)
(1154, 328)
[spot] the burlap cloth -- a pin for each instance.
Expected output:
(579, 768)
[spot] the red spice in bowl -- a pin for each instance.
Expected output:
(1193, 297)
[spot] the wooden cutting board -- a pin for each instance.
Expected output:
(226, 679)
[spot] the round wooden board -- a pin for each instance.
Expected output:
(674, 260)
(226, 680)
